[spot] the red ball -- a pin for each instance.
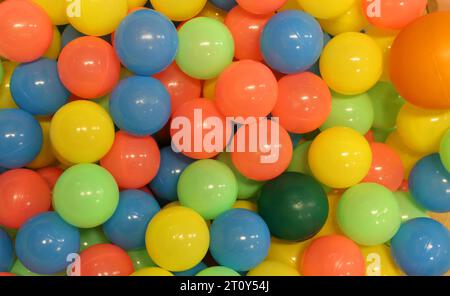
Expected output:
(6, 274)
(105, 260)
(25, 31)
(88, 67)
(23, 194)
(51, 175)
(261, 7)
(133, 161)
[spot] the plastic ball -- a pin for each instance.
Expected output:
(1, 71)
(46, 156)
(133, 161)
(208, 187)
(218, 271)
(326, 9)
(92, 236)
(206, 48)
(278, 203)
(55, 46)
(85, 195)
(44, 242)
(246, 89)
(409, 208)
(152, 271)
(20, 138)
(146, 42)
(164, 185)
(105, 260)
(140, 105)
(6, 252)
(26, 31)
(37, 89)
(369, 214)
(226, 5)
(175, 232)
(81, 131)
(180, 86)
(273, 268)
(384, 40)
(90, 17)
(261, 7)
(304, 102)
(240, 239)
(126, 228)
(299, 162)
(332, 255)
(355, 112)
(393, 14)
(179, 10)
(141, 259)
(444, 150)
(353, 20)
(6, 100)
(290, 55)
(199, 130)
(69, 34)
(420, 51)
(262, 163)
(421, 247)
(50, 175)
(379, 261)
(88, 67)
(387, 168)
(339, 157)
(386, 103)
(351, 63)
(56, 10)
(429, 184)
(213, 11)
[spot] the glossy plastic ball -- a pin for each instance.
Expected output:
(105, 260)
(179, 10)
(6, 252)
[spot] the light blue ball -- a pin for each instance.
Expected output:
(292, 42)
(140, 105)
(127, 227)
(6, 252)
(226, 5)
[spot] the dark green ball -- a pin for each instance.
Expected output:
(294, 206)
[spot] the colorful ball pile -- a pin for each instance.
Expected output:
(224, 137)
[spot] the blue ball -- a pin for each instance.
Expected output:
(429, 184)
(126, 228)
(37, 89)
(164, 185)
(291, 42)
(69, 34)
(226, 5)
(421, 247)
(140, 105)
(20, 138)
(44, 242)
(240, 239)
(146, 42)
(193, 271)
(6, 252)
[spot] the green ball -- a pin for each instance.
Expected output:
(86, 195)
(444, 151)
(208, 187)
(141, 259)
(369, 214)
(206, 48)
(355, 112)
(386, 104)
(92, 236)
(380, 135)
(247, 188)
(294, 206)
(218, 271)
(409, 209)
(299, 162)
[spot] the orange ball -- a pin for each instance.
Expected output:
(246, 29)
(304, 102)
(246, 88)
(23, 194)
(180, 86)
(261, 159)
(333, 255)
(420, 62)
(261, 7)
(89, 67)
(193, 126)
(6, 274)
(50, 175)
(133, 161)
(26, 31)
(386, 169)
(105, 260)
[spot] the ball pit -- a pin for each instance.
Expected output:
(224, 138)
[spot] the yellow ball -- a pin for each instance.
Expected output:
(179, 10)
(326, 9)
(331, 226)
(291, 5)
(152, 271)
(136, 3)
(422, 129)
(96, 18)
(351, 21)
(245, 204)
(351, 63)
(379, 261)
(45, 156)
(273, 268)
(6, 100)
(213, 12)
(209, 89)
(177, 238)
(384, 40)
(340, 157)
(55, 47)
(56, 10)
(81, 132)
(286, 252)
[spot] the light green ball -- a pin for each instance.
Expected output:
(218, 271)
(299, 162)
(444, 151)
(386, 105)
(92, 236)
(141, 259)
(409, 209)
